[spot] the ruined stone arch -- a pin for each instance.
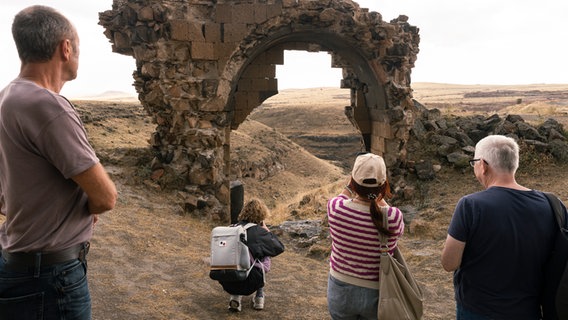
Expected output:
(351, 58)
(203, 66)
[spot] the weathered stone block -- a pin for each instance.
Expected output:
(223, 13)
(274, 57)
(212, 32)
(234, 32)
(143, 53)
(183, 30)
(253, 98)
(213, 105)
(204, 69)
(204, 124)
(150, 70)
(192, 122)
(245, 85)
(241, 99)
(260, 13)
(240, 116)
(289, 3)
(174, 91)
(243, 12)
(201, 177)
(181, 53)
(269, 71)
(146, 14)
(260, 84)
(381, 129)
(223, 193)
(255, 71)
(223, 51)
(272, 87)
(378, 145)
(180, 104)
(121, 41)
(202, 50)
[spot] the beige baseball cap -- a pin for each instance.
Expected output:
(369, 170)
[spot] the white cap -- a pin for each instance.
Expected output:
(369, 170)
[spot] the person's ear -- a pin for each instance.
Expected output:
(66, 48)
(484, 166)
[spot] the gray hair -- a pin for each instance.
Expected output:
(38, 30)
(500, 152)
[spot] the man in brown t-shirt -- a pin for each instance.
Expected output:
(52, 185)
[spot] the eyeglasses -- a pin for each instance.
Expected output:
(473, 161)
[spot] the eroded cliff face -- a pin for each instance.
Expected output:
(203, 66)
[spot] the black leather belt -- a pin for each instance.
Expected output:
(24, 261)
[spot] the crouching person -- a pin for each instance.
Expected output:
(262, 245)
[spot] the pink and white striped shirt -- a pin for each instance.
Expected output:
(355, 249)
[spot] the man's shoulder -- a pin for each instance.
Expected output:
(492, 191)
(482, 197)
(26, 94)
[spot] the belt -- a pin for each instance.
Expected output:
(24, 261)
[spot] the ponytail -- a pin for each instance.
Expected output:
(375, 194)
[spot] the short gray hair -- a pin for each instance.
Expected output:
(38, 30)
(500, 152)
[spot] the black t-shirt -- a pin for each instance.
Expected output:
(508, 235)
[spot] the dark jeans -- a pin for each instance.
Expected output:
(59, 292)
(349, 302)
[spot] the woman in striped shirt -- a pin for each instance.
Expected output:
(355, 219)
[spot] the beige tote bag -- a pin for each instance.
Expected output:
(400, 296)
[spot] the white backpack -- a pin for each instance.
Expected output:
(230, 257)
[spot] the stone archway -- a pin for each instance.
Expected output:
(203, 66)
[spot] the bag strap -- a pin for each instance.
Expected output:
(556, 205)
(248, 225)
(251, 266)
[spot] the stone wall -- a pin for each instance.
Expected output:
(203, 65)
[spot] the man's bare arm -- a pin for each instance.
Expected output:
(98, 186)
(452, 253)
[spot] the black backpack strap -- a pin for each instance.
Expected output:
(556, 205)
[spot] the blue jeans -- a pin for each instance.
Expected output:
(59, 292)
(463, 314)
(346, 301)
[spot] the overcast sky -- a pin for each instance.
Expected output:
(462, 42)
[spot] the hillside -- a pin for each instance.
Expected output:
(149, 260)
